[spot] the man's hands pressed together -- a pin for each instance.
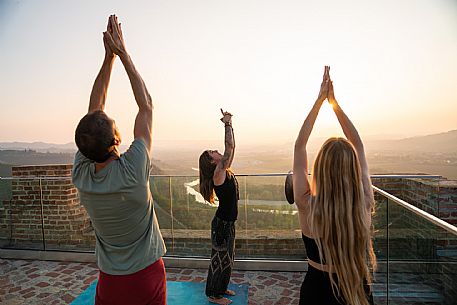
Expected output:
(114, 37)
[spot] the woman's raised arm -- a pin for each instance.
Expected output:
(229, 151)
(352, 135)
(300, 176)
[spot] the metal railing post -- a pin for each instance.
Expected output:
(388, 253)
(42, 214)
(171, 215)
(246, 210)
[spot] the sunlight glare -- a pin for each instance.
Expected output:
(326, 114)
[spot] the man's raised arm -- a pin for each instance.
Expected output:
(100, 87)
(143, 120)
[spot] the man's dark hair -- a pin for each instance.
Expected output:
(95, 136)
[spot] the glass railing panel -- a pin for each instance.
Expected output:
(243, 245)
(272, 229)
(66, 224)
(266, 227)
(192, 217)
(380, 246)
(5, 221)
(21, 214)
(422, 259)
(161, 191)
(161, 194)
(447, 256)
(5, 191)
(415, 245)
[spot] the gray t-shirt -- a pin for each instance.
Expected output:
(119, 203)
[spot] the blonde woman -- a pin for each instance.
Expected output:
(334, 212)
(216, 178)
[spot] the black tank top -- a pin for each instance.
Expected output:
(312, 251)
(228, 195)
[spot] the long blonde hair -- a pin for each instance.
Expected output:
(339, 220)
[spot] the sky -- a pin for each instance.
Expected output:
(393, 65)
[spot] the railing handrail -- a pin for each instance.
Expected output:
(435, 220)
(238, 175)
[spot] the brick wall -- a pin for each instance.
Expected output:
(252, 244)
(43, 205)
(437, 197)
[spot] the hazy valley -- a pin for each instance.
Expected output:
(432, 154)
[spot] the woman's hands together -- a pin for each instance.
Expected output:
(326, 91)
(324, 85)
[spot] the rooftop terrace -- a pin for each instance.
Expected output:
(47, 241)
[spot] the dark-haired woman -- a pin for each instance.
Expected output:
(216, 179)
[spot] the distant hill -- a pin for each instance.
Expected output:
(32, 157)
(434, 154)
(445, 142)
(38, 146)
(9, 158)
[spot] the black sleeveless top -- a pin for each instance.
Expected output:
(228, 195)
(311, 249)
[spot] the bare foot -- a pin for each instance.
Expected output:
(221, 301)
(230, 292)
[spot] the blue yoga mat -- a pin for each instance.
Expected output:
(177, 293)
(87, 297)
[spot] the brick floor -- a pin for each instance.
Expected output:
(54, 283)
(49, 283)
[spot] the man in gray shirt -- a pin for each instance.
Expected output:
(114, 189)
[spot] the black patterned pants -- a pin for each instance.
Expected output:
(222, 257)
